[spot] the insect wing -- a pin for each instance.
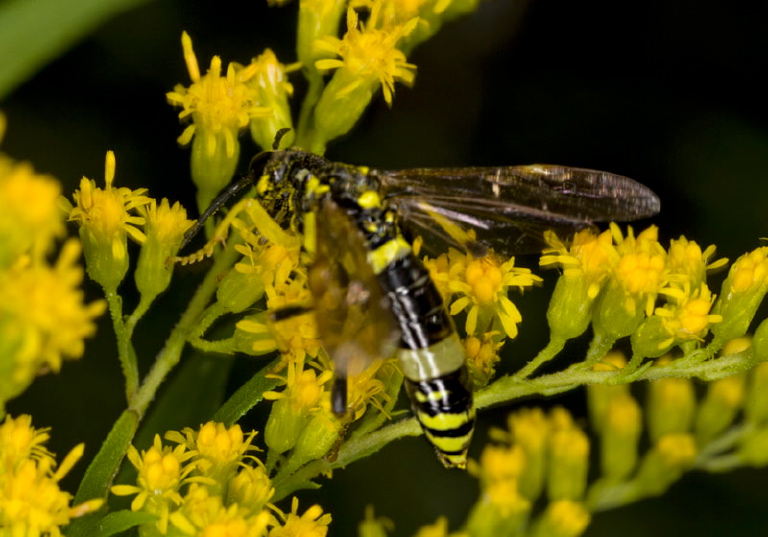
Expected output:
(353, 315)
(509, 208)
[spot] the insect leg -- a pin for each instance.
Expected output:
(231, 191)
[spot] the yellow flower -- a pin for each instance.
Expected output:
(742, 293)
(630, 293)
(586, 261)
(641, 269)
(105, 220)
(370, 54)
(19, 441)
(206, 514)
(31, 502)
(220, 107)
(272, 88)
(251, 487)
(484, 283)
(162, 472)
(562, 518)
(589, 256)
(368, 388)
(482, 357)
(687, 316)
(43, 319)
(165, 228)
(369, 59)
(685, 258)
(294, 406)
(218, 450)
(29, 215)
(313, 523)
(296, 336)
(303, 387)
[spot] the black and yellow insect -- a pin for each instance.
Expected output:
(373, 297)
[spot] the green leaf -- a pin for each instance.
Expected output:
(98, 477)
(114, 523)
(246, 397)
(34, 33)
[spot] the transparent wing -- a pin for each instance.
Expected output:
(509, 208)
(353, 315)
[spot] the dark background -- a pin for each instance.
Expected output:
(669, 93)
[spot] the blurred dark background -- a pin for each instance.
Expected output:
(669, 93)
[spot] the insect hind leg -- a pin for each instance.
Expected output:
(223, 198)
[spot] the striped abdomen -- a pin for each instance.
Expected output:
(432, 358)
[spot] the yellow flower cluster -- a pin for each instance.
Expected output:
(205, 486)
(540, 454)
(480, 287)
(43, 317)
(615, 283)
(31, 502)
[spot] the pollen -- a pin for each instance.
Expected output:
(219, 106)
(370, 53)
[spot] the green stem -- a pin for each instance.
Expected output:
(169, 356)
(125, 351)
(144, 303)
(598, 348)
(546, 354)
(510, 388)
(305, 130)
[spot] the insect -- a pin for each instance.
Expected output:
(373, 296)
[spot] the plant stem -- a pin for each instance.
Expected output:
(169, 356)
(125, 351)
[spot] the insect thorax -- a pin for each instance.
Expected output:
(294, 183)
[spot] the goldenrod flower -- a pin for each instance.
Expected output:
(164, 229)
(586, 261)
(438, 529)
(484, 285)
(685, 258)
(162, 472)
(251, 487)
(670, 457)
(219, 107)
(718, 410)
(43, 318)
(568, 458)
(218, 450)
(369, 59)
(529, 429)
(269, 79)
(294, 406)
(743, 291)
(367, 388)
(482, 357)
(207, 514)
(296, 337)
(313, 523)
(671, 406)
(634, 283)
(686, 317)
(374, 526)
(562, 518)
(30, 218)
(19, 440)
(105, 220)
(31, 502)
(619, 436)
(317, 19)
